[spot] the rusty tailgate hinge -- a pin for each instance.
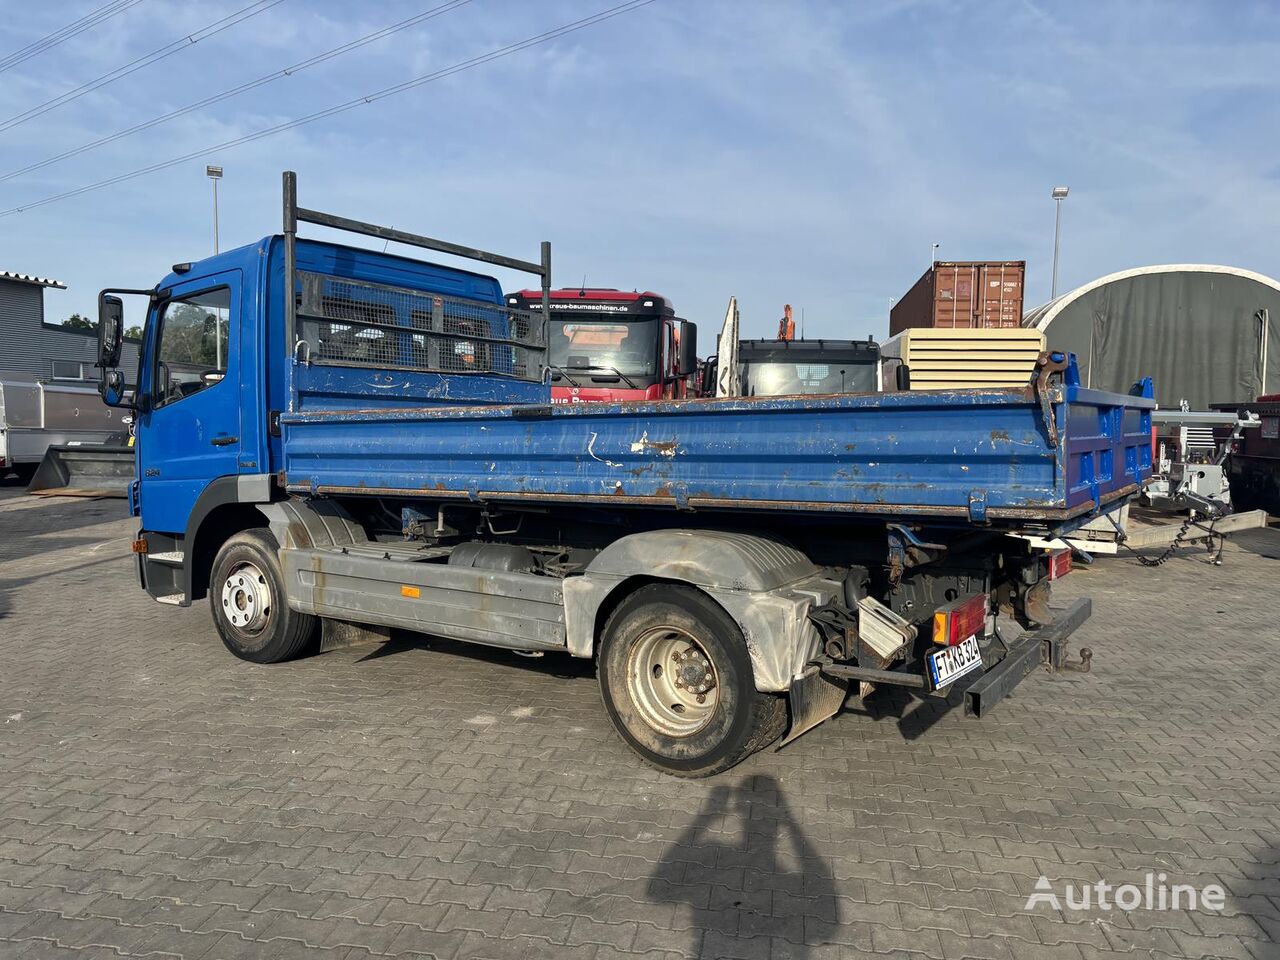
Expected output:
(1048, 364)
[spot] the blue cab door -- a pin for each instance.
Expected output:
(189, 427)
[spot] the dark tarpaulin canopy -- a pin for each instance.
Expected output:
(1205, 334)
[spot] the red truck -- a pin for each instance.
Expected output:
(609, 345)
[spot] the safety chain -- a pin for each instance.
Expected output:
(1170, 550)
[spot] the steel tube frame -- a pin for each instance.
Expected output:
(293, 214)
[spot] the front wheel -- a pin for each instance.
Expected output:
(250, 606)
(677, 683)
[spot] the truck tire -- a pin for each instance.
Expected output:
(248, 599)
(664, 648)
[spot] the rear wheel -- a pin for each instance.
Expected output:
(249, 603)
(677, 683)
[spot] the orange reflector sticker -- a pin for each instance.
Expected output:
(413, 593)
(140, 546)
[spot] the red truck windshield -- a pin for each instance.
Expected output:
(604, 345)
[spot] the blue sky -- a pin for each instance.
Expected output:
(808, 153)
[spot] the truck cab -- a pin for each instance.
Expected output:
(609, 344)
(787, 368)
(778, 368)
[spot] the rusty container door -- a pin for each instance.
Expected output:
(1000, 300)
(957, 295)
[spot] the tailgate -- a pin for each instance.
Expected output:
(1105, 440)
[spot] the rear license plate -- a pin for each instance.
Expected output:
(950, 663)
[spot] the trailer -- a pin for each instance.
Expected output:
(37, 414)
(1254, 463)
(377, 449)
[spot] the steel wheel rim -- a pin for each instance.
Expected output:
(246, 598)
(672, 682)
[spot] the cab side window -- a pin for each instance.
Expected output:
(194, 339)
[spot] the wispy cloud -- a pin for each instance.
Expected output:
(807, 153)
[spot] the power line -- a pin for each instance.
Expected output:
(242, 88)
(449, 71)
(155, 56)
(90, 19)
(62, 33)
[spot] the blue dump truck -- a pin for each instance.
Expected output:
(334, 442)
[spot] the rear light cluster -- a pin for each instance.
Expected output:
(960, 620)
(1059, 564)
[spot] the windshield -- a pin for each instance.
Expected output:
(783, 379)
(628, 346)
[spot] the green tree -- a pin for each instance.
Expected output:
(191, 335)
(77, 322)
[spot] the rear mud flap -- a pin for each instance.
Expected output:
(341, 634)
(815, 697)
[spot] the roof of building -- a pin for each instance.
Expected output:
(1201, 331)
(28, 278)
(1040, 317)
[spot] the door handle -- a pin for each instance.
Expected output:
(224, 441)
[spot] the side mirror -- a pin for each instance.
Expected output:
(110, 330)
(688, 349)
(902, 377)
(707, 375)
(112, 389)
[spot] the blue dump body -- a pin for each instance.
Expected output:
(971, 454)
(379, 426)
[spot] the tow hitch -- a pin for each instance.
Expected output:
(1047, 645)
(1044, 646)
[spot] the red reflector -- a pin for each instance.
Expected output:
(1059, 564)
(140, 546)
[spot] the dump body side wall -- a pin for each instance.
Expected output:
(967, 454)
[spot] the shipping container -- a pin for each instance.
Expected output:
(964, 294)
(944, 359)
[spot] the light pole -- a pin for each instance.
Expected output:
(933, 254)
(215, 174)
(1059, 194)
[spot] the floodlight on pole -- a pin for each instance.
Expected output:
(1058, 194)
(933, 254)
(215, 174)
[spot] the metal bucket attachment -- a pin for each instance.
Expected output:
(84, 470)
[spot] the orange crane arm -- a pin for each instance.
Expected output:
(786, 326)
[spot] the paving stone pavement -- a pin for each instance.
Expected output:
(424, 798)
